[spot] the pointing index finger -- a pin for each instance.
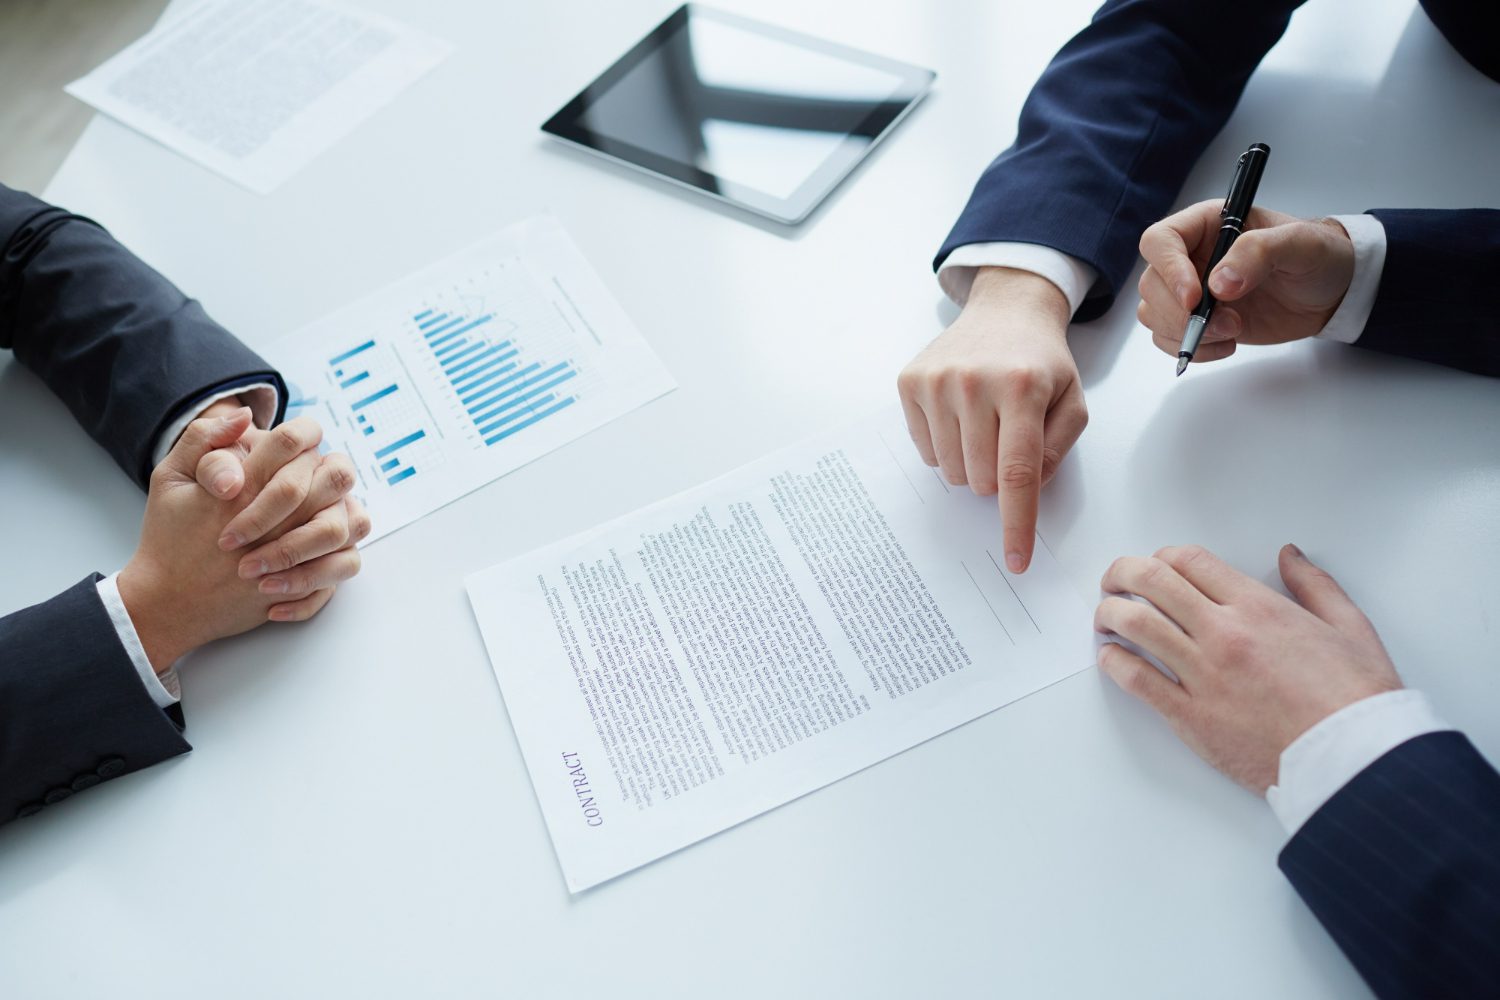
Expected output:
(1020, 474)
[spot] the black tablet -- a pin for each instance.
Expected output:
(759, 116)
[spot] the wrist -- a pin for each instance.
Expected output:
(151, 612)
(1011, 288)
(1341, 250)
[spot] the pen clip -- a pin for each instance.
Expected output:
(1235, 183)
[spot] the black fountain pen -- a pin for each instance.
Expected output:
(1241, 196)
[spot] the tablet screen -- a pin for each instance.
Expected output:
(752, 113)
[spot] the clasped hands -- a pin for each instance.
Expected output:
(242, 526)
(996, 403)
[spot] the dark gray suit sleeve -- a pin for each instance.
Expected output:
(128, 353)
(112, 338)
(73, 711)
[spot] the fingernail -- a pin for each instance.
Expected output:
(1296, 551)
(223, 481)
(1183, 292)
(273, 585)
(1225, 279)
(1015, 562)
(230, 540)
(251, 570)
(280, 615)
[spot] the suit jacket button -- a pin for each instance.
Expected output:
(29, 809)
(109, 767)
(56, 795)
(85, 780)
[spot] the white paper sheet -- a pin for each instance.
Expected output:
(725, 651)
(254, 89)
(469, 369)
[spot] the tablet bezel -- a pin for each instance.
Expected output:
(915, 82)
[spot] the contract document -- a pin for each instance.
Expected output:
(725, 651)
(254, 89)
(467, 370)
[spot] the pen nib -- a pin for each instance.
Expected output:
(1182, 364)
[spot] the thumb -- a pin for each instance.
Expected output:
(203, 436)
(1320, 593)
(1292, 246)
(222, 471)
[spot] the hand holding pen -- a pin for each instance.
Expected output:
(1282, 280)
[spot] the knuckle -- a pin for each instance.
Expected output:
(909, 381)
(1051, 459)
(1018, 475)
(970, 384)
(1152, 572)
(287, 440)
(1183, 556)
(333, 534)
(1130, 675)
(341, 476)
(1117, 568)
(1024, 381)
(288, 492)
(1235, 643)
(1130, 614)
(284, 554)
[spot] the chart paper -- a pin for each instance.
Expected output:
(468, 370)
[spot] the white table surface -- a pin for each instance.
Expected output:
(356, 819)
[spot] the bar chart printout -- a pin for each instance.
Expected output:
(468, 370)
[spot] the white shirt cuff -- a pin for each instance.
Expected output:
(1368, 236)
(1071, 275)
(1329, 755)
(164, 690)
(260, 397)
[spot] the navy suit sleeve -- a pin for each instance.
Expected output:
(73, 711)
(1435, 301)
(1110, 131)
(1402, 866)
(117, 342)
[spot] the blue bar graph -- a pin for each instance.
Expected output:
(405, 473)
(485, 378)
(518, 400)
(389, 464)
(443, 327)
(353, 379)
(388, 449)
(527, 423)
(351, 353)
(369, 431)
(478, 357)
(447, 342)
(453, 359)
(503, 390)
(473, 372)
(373, 397)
